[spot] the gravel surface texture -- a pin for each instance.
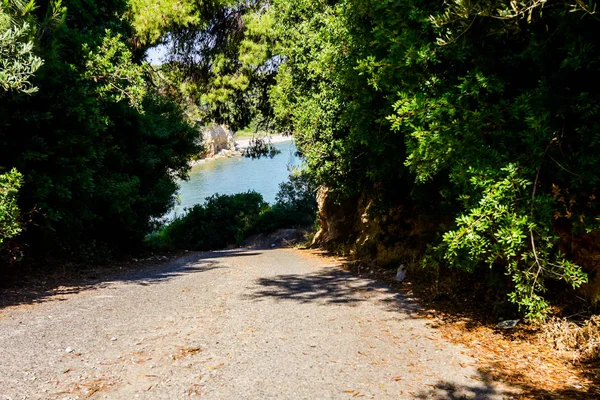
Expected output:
(238, 324)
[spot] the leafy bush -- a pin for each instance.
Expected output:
(297, 194)
(228, 219)
(482, 116)
(223, 220)
(10, 183)
(10, 222)
(295, 206)
(18, 61)
(103, 149)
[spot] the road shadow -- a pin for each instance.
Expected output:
(334, 286)
(481, 390)
(444, 390)
(57, 285)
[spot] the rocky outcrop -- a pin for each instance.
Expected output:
(364, 231)
(337, 219)
(217, 138)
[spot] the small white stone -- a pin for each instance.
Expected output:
(400, 273)
(508, 324)
(69, 350)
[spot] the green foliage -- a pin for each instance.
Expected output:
(483, 113)
(10, 226)
(111, 65)
(229, 219)
(297, 194)
(498, 229)
(221, 221)
(153, 19)
(480, 118)
(103, 149)
(324, 93)
(295, 206)
(219, 64)
(18, 61)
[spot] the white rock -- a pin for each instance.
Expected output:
(508, 324)
(69, 350)
(217, 138)
(400, 273)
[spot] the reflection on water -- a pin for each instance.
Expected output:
(236, 175)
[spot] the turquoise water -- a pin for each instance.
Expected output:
(238, 174)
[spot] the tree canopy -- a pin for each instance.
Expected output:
(217, 65)
(481, 115)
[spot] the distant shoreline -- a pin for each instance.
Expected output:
(245, 142)
(240, 146)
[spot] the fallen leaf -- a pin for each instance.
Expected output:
(214, 366)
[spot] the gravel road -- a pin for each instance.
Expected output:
(239, 324)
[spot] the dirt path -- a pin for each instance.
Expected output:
(274, 324)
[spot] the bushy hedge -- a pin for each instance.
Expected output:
(222, 220)
(225, 220)
(10, 225)
(295, 206)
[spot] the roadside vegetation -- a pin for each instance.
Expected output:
(97, 147)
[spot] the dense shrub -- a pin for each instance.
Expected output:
(100, 150)
(295, 206)
(221, 221)
(297, 194)
(228, 219)
(10, 226)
